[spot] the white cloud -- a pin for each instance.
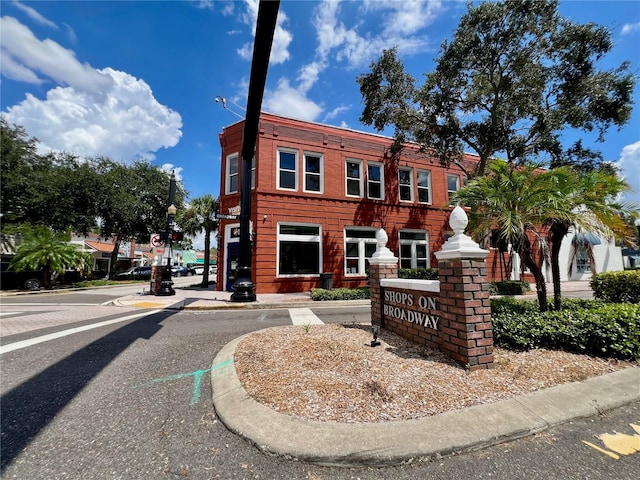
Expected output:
(629, 164)
(48, 58)
(286, 100)
(629, 28)
(35, 16)
(93, 112)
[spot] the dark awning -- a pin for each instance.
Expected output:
(586, 238)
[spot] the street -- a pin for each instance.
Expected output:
(123, 393)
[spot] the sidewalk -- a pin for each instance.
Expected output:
(201, 299)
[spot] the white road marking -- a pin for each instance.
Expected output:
(52, 336)
(304, 316)
(2, 314)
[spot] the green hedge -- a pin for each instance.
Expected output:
(617, 287)
(320, 294)
(589, 327)
(418, 273)
(509, 287)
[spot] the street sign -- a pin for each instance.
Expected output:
(226, 216)
(156, 240)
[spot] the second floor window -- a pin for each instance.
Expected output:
(354, 178)
(405, 184)
(313, 172)
(424, 186)
(375, 181)
(287, 169)
(453, 183)
(232, 174)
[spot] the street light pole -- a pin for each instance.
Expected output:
(166, 284)
(244, 288)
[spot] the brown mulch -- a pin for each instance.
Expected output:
(331, 373)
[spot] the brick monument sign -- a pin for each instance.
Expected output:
(452, 314)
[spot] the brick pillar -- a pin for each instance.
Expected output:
(383, 264)
(465, 310)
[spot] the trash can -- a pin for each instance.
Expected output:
(326, 281)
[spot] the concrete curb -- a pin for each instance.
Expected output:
(393, 443)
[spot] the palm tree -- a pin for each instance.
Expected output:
(516, 200)
(43, 248)
(200, 216)
(590, 206)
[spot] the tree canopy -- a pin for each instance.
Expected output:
(512, 78)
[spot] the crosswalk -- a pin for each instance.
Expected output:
(304, 316)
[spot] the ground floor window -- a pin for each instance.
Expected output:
(583, 265)
(360, 245)
(414, 249)
(299, 249)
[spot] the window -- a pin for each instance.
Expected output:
(313, 181)
(405, 184)
(424, 186)
(583, 265)
(360, 245)
(232, 174)
(354, 178)
(287, 169)
(375, 181)
(299, 249)
(414, 249)
(453, 183)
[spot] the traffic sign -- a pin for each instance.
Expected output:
(156, 240)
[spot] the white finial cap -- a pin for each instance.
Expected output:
(458, 220)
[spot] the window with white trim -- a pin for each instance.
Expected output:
(313, 168)
(414, 249)
(375, 181)
(287, 169)
(231, 185)
(354, 178)
(583, 264)
(424, 186)
(299, 252)
(405, 184)
(360, 245)
(453, 183)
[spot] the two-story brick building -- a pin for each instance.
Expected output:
(318, 195)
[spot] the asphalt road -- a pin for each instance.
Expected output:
(131, 399)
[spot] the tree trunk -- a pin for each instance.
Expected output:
(536, 271)
(557, 232)
(114, 259)
(207, 255)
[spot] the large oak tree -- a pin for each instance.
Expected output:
(512, 78)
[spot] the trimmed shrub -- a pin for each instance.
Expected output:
(617, 287)
(320, 294)
(588, 327)
(418, 273)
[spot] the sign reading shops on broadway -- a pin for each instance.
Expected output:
(421, 310)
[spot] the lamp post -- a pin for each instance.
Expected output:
(244, 288)
(166, 284)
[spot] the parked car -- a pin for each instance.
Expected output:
(199, 269)
(182, 271)
(135, 273)
(26, 280)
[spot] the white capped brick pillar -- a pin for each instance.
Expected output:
(383, 264)
(465, 326)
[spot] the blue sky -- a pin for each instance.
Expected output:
(139, 79)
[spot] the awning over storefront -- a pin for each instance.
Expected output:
(586, 238)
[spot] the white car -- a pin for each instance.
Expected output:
(213, 269)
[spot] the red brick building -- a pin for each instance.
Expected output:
(318, 195)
